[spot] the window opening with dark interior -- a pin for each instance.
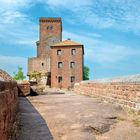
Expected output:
(50, 27)
(59, 79)
(73, 51)
(72, 64)
(72, 79)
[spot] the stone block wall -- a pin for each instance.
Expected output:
(23, 88)
(66, 71)
(8, 108)
(126, 94)
(38, 64)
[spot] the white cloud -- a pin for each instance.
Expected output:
(16, 28)
(69, 4)
(11, 17)
(117, 14)
(110, 54)
(106, 59)
(124, 15)
(101, 52)
(14, 4)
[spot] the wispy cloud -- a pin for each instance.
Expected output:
(124, 15)
(106, 59)
(117, 14)
(102, 52)
(69, 4)
(16, 26)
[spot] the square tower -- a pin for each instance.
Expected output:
(50, 33)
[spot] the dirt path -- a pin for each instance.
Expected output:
(70, 117)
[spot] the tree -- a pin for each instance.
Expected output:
(86, 73)
(19, 75)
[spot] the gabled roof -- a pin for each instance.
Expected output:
(67, 43)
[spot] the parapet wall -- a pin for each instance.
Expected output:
(125, 93)
(23, 88)
(8, 107)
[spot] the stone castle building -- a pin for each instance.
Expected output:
(58, 63)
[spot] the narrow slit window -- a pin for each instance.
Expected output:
(50, 27)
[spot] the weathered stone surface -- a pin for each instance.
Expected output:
(23, 88)
(123, 93)
(4, 76)
(66, 116)
(8, 108)
(47, 38)
(32, 125)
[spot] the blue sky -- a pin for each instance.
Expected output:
(109, 30)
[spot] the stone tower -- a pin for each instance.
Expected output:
(50, 33)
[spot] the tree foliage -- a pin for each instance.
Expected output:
(86, 73)
(19, 75)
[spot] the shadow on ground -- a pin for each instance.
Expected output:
(32, 126)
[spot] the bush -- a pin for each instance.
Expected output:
(19, 75)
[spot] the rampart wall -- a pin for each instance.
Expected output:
(8, 107)
(121, 91)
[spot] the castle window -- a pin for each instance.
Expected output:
(72, 64)
(73, 51)
(42, 64)
(59, 52)
(60, 64)
(59, 79)
(49, 27)
(72, 79)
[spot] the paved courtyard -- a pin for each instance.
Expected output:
(73, 117)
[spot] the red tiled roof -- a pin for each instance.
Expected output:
(67, 43)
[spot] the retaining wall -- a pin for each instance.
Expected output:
(8, 107)
(124, 93)
(23, 88)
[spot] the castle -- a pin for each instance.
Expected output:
(58, 63)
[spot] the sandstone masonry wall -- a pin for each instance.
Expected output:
(126, 94)
(23, 88)
(8, 107)
(66, 71)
